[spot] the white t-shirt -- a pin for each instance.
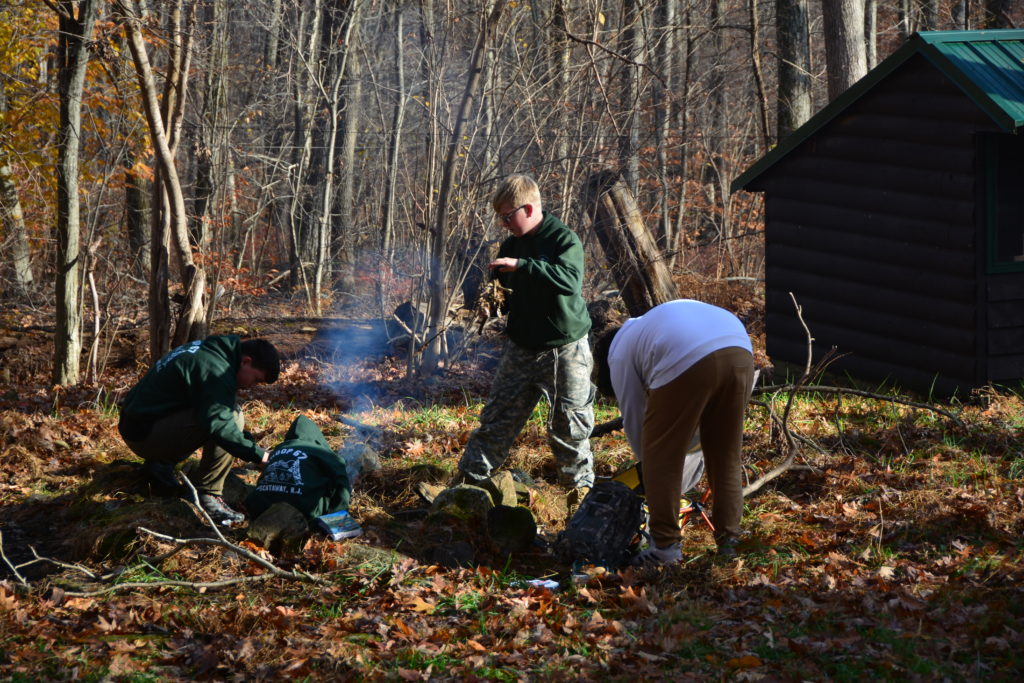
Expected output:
(652, 350)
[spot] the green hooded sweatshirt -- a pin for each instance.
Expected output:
(202, 376)
(305, 472)
(546, 307)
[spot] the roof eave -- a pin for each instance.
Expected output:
(984, 101)
(915, 44)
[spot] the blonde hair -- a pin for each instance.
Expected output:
(516, 190)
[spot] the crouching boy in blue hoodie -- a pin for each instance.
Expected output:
(305, 472)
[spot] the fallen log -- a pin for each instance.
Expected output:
(636, 263)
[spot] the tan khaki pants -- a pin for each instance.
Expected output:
(712, 395)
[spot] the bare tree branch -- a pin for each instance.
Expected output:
(809, 371)
(823, 389)
(14, 569)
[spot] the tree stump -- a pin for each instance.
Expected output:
(636, 263)
(281, 529)
(512, 528)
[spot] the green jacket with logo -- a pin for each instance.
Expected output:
(200, 375)
(546, 307)
(305, 472)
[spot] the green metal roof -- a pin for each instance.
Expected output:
(987, 65)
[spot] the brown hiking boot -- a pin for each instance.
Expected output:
(573, 500)
(459, 477)
(429, 492)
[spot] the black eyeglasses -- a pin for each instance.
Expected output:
(506, 217)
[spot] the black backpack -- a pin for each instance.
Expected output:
(606, 528)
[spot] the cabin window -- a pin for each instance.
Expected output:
(1005, 203)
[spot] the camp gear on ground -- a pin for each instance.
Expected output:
(339, 525)
(606, 529)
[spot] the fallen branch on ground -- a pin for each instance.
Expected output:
(823, 389)
(272, 570)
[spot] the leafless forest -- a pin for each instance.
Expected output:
(193, 154)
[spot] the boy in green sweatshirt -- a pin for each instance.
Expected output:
(547, 353)
(305, 472)
(187, 401)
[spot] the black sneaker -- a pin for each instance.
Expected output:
(163, 480)
(219, 511)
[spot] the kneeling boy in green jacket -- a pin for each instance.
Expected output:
(305, 472)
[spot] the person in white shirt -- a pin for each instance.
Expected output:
(681, 366)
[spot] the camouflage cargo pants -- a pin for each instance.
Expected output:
(560, 375)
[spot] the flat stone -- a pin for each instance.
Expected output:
(502, 488)
(512, 528)
(454, 555)
(463, 501)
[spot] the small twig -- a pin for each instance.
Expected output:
(622, 58)
(249, 555)
(810, 370)
(64, 565)
(14, 569)
(606, 427)
(367, 430)
(205, 585)
(206, 515)
(160, 558)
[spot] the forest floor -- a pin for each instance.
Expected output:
(894, 552)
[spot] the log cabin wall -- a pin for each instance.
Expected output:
(1005, 328)
(873, 225)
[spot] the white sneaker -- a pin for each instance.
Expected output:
(654, 556)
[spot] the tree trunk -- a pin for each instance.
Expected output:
(210, 143)
(345, 235)
(191, 321)
(302, 178)
(630, 250)
(273, 36)
(629, 139)
(845, 49)
(75, 32)
(755, 60)
(339, 34)
(663, 94)
(136, 208)
(394, 146)
(794, 98)
(13, 222)
(716, 132)
(683, 124)
(870, 33)
(438, 296)
(997, 14)
(559, 56)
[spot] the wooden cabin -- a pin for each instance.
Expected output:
(895, 216)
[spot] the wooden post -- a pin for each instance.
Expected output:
(638, 267)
